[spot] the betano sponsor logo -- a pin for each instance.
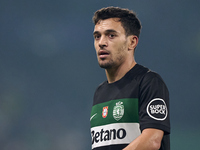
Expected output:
(107, 135)
(117, 133)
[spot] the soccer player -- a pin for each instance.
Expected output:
(131, 109)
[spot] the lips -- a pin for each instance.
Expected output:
(103, 53)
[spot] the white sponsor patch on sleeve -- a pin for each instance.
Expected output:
(157, 109)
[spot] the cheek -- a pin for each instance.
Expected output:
(95, 46)
(119, 47)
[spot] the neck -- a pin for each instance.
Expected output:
(116, 73)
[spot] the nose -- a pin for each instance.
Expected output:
(103, 42)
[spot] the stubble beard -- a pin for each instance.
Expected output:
(112, 63)
(106, 65)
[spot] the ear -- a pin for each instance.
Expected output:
(133, 41)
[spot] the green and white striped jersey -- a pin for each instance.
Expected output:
(121, 110)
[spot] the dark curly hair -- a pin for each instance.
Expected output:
(128, 19)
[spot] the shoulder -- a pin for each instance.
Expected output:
(151, 75)
(150, 78)
(147, 72)
(102, 85)
(143, 74)
(101, 88)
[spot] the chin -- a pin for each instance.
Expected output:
(105, 65)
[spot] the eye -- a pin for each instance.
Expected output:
(96, 37)
(111, 36)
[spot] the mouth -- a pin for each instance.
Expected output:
(103, 54)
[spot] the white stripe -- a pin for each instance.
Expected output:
(93, 116)
(132, 131)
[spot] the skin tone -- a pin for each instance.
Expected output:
(114, 49)
(115, 53)
(150, 139)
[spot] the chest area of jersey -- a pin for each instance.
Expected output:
(115, 111)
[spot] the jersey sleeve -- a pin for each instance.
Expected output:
(154, 103)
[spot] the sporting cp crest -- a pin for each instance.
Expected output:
(105, 112)
(118, 111)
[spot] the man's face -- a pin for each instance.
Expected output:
(110, 43)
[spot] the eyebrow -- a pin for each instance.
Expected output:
(107, 31)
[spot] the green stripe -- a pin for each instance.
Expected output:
(130, 112)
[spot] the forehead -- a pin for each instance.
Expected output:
(109, 24)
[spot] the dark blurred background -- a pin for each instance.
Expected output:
(49, 71)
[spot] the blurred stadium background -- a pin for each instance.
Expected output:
(49, 72)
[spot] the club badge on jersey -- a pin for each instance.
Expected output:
(118, 111)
